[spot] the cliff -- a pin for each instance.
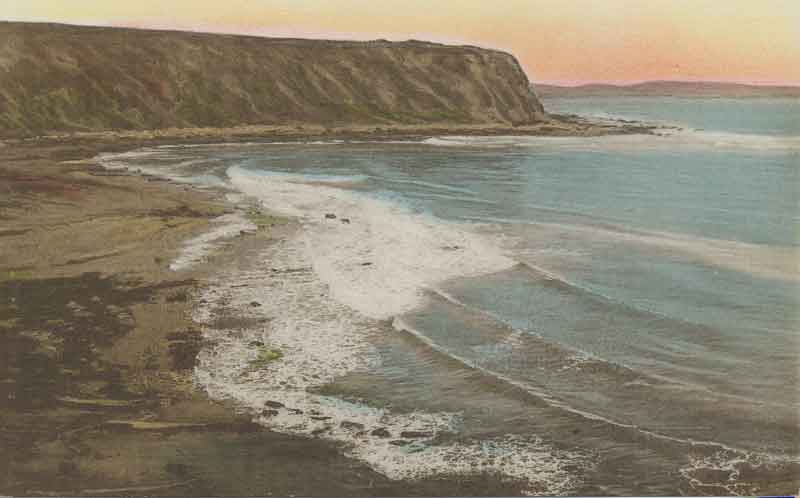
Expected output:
(56, 78)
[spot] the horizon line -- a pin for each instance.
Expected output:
(626, 83)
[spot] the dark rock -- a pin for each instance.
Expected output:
(274, 404)
(177, 469)
(352, 425)
(295, 411)
(346, 220)
(321, 418)
(68, 467)
(381, 432)
(366, 263)
(330, 216)
(399, 442)
(317, 432)
(255, 304)
(291, 270)
(415, 434)
(256, 344)
(269, 413)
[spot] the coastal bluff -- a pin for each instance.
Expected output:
(61, 78)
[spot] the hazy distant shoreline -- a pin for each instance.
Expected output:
(687, 89)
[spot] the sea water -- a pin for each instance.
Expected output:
(590, 315)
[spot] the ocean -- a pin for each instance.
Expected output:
(586, 315)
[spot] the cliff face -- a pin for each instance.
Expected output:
(69, 78)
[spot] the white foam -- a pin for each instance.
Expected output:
(314, 179)
(380, 263)
(665, 138)
(731, 471)
(773, 262)
(319, 305)
(196, 249)
(179, 171)
(320, 340)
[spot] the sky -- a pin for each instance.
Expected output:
(557, 41)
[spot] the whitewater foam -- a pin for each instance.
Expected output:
(320, 339)
(196, 249)
(322, 292)
(664, 138)
(380, 261)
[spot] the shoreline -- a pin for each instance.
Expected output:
(554, 126)
(100, 347)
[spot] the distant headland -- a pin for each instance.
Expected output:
(668, 89)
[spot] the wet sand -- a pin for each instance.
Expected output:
(97, 346)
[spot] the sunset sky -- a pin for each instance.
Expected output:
(563, 41)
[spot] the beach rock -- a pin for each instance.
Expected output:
(295, 411)
(274, 404)
(269, 413)
(255, 344)
(415, 434)
(330, 216)
(291, 270)
(255, 304)
(318, 417)
(346, 220)
(399, 442)
(355, 426)
(381, 432)
(366, 263)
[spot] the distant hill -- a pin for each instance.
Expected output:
(71, 78)
(668, 89)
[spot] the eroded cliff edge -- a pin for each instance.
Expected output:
(61, 78)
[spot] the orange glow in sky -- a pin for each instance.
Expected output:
(568, 41)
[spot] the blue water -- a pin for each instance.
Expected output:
(655, 293)
(767, 116)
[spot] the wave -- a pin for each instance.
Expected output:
(554, 401)
(773, 262)
(665, 139)
(164, 164)
(198, 248)
(561, 356)
(766, 261)
(321, 339)
(432, 185)
(308, 178)
(382, 258)
(738, 140)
